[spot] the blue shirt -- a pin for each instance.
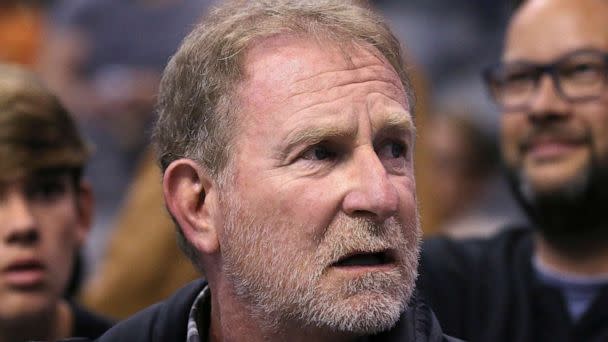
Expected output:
(578, 291)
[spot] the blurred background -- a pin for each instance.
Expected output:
(104, 58)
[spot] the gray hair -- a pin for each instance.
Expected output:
(196, 103)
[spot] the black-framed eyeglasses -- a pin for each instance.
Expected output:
(578, 76)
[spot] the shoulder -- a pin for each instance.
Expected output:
(165, 321)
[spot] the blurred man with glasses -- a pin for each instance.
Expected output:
(549, 283)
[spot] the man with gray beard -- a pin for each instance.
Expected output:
(285, 136)
(549, 283)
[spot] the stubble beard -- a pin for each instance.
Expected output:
(290, 288)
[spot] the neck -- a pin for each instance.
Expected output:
(233, 319)
(49, 325)
(591, 261)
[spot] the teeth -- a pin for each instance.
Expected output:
(362, 260)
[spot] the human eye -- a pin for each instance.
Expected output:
(582, 71)
(46, 190)
(518, 76)
(514, 80)
(393, 149)
(394, 154)
(319, 152)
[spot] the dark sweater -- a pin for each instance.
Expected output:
(88, 324)
(486, 290)
(167, 321)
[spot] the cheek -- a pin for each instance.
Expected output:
(278, 194)
(598, 125)
(310, 207)
(406, 190)
(59, 228)
(58, 247)
(511, 129)
(294, 212)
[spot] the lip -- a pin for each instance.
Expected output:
(551, 149)
(24, 273)
(364, 269)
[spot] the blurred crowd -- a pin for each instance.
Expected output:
(104, 58)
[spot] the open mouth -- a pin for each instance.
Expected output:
(366, 259)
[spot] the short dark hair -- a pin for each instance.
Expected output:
(36, 131)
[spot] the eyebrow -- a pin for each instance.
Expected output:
(397, 122)
(314, 135)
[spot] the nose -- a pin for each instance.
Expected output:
(547, 104)
(19, 226)
(371, 192)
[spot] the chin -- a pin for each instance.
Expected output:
(362, 314)
(365, 305)
(25, 306)
(553, 182)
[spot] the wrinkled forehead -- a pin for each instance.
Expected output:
(543, 30)
(310, 65)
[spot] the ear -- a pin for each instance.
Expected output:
(84, 206)
(191, 197)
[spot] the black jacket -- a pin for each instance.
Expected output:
(167, 321)
(486, 290)
(88, 324)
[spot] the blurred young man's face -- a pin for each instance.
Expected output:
(42, 224)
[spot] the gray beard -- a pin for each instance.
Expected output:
(285, 288)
